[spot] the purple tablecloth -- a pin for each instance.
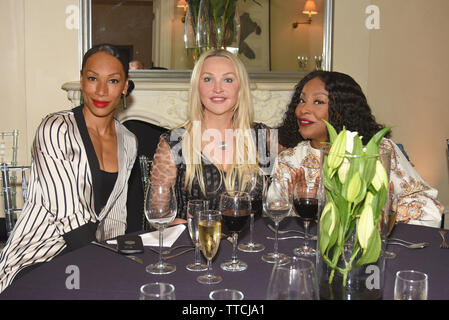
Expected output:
(106, 275)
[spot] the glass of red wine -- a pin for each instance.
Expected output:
(235, 210)
(305, 202)
(254, 188)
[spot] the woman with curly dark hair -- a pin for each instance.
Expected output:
(338, 99)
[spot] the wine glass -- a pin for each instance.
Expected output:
(157, 291)
(160, 211)
(305, 202)
(194, 208)
(255, 184)
(296, 280)
(235, 210)
(410, 285)
(209, 232)
(277, 203)
(226, 294)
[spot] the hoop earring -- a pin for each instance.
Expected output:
(124, 101)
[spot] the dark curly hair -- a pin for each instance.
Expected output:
(347, 107)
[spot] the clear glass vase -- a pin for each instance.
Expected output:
(218, 26)
(341, 273)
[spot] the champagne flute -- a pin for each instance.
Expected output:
(305, 202)
(296, 280)
(277, 203)
(235, 210)
(194, 208)
(160, 211)
(254, 185)
(209, 231)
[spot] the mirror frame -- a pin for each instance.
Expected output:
(85, 42)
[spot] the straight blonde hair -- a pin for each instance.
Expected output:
(245, 158)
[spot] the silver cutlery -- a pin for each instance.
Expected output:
(284, 231)
(134, 258)
(168, 251)
(178, 254)
(411, 246)
(293, 237)
(444, 243)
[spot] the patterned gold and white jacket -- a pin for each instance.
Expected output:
(417, 201)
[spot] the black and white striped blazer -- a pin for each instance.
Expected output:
(59, 213)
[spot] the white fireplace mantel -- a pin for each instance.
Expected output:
(164, 103)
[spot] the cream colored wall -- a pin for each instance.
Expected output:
(404, 71)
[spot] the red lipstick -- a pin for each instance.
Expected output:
(100, 104)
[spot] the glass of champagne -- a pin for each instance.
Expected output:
(209, 232)
(160, 210)
(254, 188)
(296, 280)
(235, 210)
(305, 202)
(410, 285)
(277, 203)
(194, 208)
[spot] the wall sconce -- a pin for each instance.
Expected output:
(182, 4)
(309, 9)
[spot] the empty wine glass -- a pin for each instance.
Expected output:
(255, 185)
(209, 232)
(194, 208)
(157, 291)
(226, 294)
(410, 285)
(305, 201)
(160, 211)
(235, 210)
(277, 203)
(296, 280)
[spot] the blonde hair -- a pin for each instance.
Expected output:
(245, 159)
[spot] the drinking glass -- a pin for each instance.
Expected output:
(410, 285)
(305, 201)
(277, 203)
(235, 210)
(226, 294)
(209, 232)
(160, 211)
(255, 184)
(296, 280)
(157, 291)
(194, 208)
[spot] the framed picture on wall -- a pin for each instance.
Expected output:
(254, 49)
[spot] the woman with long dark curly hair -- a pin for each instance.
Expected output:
(338, 99)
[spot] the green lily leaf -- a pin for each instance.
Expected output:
(372, 253)
(331, 131)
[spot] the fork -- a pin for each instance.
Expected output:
(284, 231)
(444, 243)
(178, 254)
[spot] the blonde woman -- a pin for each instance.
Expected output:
(217, 148)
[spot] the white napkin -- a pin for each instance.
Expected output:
(151, 239)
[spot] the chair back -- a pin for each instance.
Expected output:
(10, 158)
(9, 192)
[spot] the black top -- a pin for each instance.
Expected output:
(211, 174)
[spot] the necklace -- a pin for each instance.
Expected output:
(222, 145)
